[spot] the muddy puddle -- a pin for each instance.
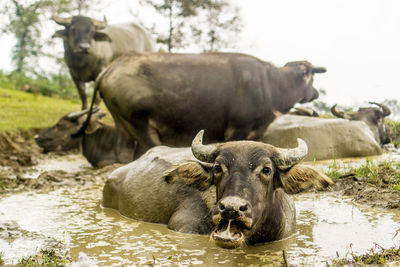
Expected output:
(72, 218)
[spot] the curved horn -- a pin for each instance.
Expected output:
(337, 113)
(385, 109)
(98, 24)
(77, 114)
(205, 153)
(318, 69)
(286, 158)
(306, 111)
(62, 21)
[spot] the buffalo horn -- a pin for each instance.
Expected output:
(318, 69)
(62, 21)
(385, 109)
(337, 113)
(205, 153)
(77, 114)
(98, 24)
(287, 157)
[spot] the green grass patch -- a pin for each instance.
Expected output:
(376, 256)
(25, 111)
(394, 130)
(45, 258)
(385, 174)
(21, 111)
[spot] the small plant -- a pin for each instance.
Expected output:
(376, 255)
(333, 170)
(1, 258)
(45, 258)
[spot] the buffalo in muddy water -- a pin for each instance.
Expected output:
(101, 144)
(167, 98)
(361, 135)
(235, 191)
(90, 45)
(372, 116)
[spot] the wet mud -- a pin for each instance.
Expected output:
(25, 169)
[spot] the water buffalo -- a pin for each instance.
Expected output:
(90, 45)
(101, 144)
(234, 191)
(167, 98)
(372, 116)
(332, 138)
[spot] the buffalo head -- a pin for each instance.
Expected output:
(59, 137)
(251, 180)
(80, 31)
(303, 72)
(372, 116)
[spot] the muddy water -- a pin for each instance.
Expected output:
(327, 224)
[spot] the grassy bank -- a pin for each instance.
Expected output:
(21, 111)
(25, 111)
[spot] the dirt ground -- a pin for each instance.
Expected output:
(19, 153)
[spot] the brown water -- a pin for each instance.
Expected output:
(327, 224)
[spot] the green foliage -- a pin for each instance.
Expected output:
(1, 258)
(333, 170)
(217, 26)
(394, 131)
(46, 258)
(57, 85)
(205, 24)
(376, 256)
(24, 20)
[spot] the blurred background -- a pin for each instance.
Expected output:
(357, 41)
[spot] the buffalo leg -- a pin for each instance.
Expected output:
(82, 92)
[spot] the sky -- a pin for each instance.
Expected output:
(358, 41)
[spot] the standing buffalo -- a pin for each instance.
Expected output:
(167, 98)
(234, 191)
(361, 135)
(101, 144)
(90, 45)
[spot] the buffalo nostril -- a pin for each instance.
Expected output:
(243, 208)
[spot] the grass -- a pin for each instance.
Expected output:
(394, 127)
(376, 256)
(385, 174)
(21, 111)
(46, 258)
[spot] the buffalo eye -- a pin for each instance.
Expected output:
(217, 169)
(266, 170)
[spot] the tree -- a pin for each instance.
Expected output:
(175, 11)
(218, 27)
(25, 23)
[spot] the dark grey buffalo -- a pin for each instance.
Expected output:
(90, 45)
(361, 134)
(101, 144)
(235, 191)
(167, 98)
(372, 116)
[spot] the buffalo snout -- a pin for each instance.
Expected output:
(82, 48)
(232, 208)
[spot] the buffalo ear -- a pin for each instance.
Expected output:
(101, 37)
(192, 173)
(301, 177)
(60, 34)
